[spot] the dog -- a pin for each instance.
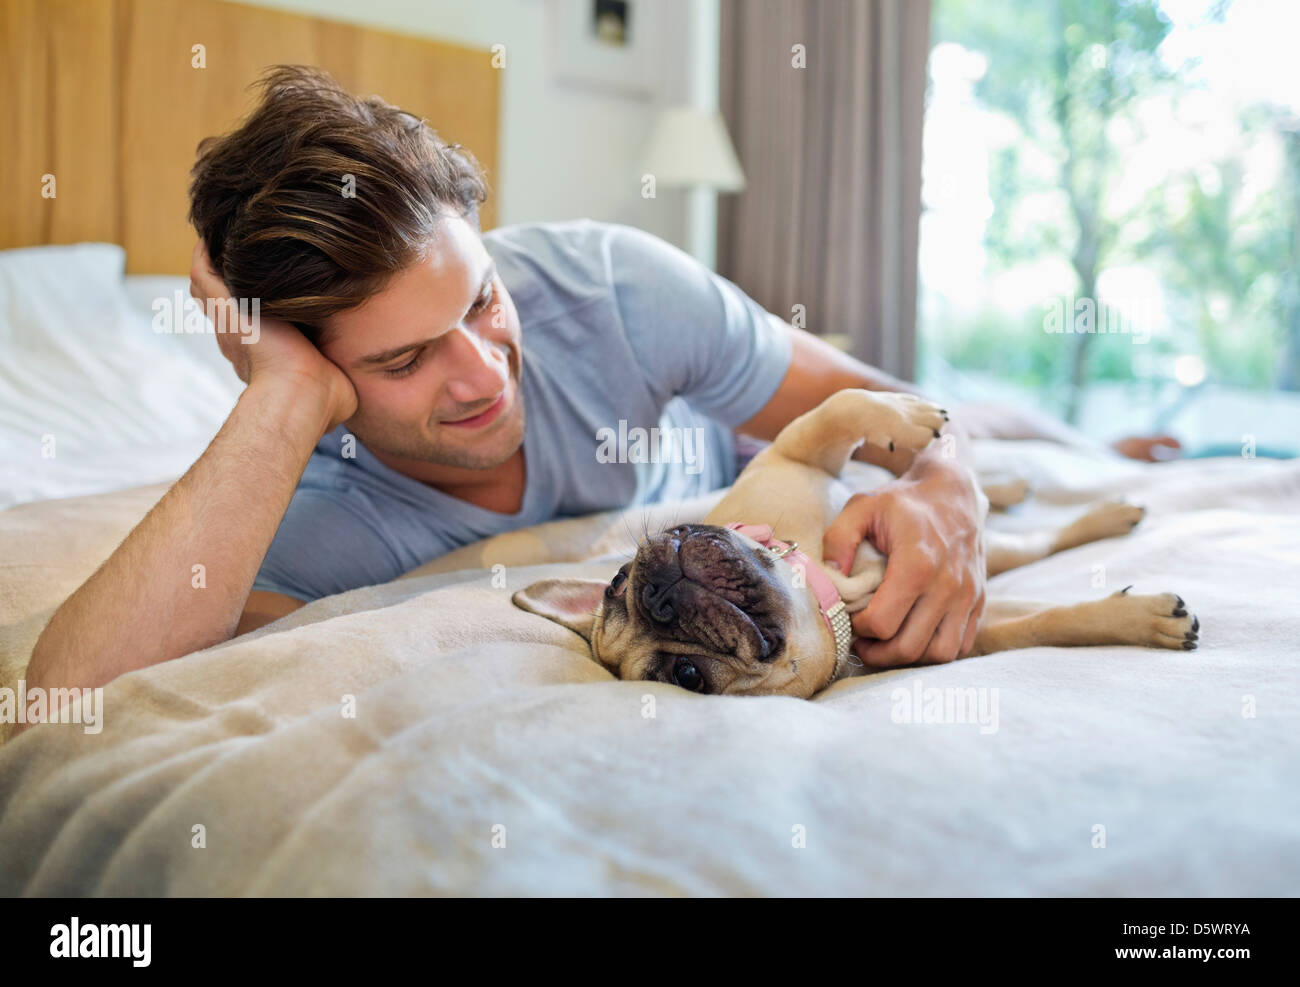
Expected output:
(726, 607)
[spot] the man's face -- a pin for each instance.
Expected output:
(438, 345)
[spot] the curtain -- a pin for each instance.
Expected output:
(832, 152)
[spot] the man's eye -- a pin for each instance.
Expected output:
(482, 303)
(406, 368)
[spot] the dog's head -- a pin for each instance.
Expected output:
(703, 607)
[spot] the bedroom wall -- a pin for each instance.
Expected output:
(565, 151)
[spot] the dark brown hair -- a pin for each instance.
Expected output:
(268, 198)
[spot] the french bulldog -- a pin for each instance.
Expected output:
(726, 607)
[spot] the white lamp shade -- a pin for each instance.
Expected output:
(691, 147)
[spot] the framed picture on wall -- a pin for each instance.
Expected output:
(605, 44)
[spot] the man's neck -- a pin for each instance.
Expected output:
(497, 488)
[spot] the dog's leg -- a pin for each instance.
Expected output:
(1004, 491)
(1157, 621)
(826, 436)
(1005, 550)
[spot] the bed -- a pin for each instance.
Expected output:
(426, 737)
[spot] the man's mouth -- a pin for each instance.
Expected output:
(485, 417)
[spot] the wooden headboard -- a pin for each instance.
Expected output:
(102, 94)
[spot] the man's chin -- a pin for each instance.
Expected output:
(480, 449)
(472, 459)
(437, 444)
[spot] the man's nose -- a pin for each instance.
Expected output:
(477, 369)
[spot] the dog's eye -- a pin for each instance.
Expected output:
(687, 675)
(617, 585)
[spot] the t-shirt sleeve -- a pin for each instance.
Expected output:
(324, 546)
(693, 331)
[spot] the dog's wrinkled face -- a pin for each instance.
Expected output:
(702, 607)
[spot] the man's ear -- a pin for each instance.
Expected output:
(571, 602)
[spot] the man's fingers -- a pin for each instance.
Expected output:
(879, 654)
(909, 644)
(884, 654)
(943, 647)
(847, 531)
(205, 280)
(946, 644)
(972, 626)
(1148, 448)
(906, 576)
(968, 636)
(919, 629)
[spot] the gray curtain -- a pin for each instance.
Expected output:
(832, 154)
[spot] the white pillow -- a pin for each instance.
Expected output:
(42, 286)
(91, 398)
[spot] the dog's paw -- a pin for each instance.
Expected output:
(897, 421)
(1160, 620)
(868, 572)
(1109, 519)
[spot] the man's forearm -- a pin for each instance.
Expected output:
(179, 581)
(818, 370)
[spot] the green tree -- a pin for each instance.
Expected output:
(1063, 70)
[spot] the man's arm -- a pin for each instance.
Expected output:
(142, 606)
(817, 370)
(928, 521)
(263, 607)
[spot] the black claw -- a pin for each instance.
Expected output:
(891, 446)
(1125, 589)
(1196, 624)
(1180, 604)
(1189, 645)
(1180, 612)
(936, 433)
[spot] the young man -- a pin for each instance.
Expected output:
(415, 386)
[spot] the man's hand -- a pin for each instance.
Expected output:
(278, 351)
(929, 524)
(1149, 448)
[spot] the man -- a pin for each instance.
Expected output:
(415, 386)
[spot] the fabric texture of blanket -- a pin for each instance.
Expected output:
(486, 753)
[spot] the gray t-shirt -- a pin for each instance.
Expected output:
(617, 326)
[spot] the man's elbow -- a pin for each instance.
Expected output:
(263, 607)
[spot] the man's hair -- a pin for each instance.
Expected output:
(269, 198)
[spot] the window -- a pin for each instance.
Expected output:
(1111, 215)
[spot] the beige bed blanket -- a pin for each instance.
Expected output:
(489, 755)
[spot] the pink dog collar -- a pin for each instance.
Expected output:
(828, 597)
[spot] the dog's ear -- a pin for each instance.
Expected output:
(571, 602)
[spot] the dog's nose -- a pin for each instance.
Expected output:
(659, 573)
(656, 593)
